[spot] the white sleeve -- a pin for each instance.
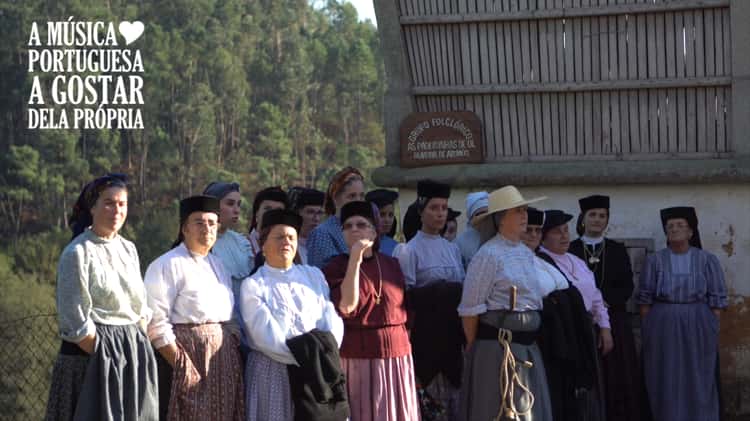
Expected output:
(145, 311)
(550, 279)
(481, 275)
(459, 260)
(408, 264)
(161, 292)
(331, 321)
(74, 301)
(263, 331)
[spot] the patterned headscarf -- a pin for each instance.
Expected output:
(338, 182)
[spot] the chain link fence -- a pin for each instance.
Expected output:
(28, 347)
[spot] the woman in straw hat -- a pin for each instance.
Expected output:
(503, 294)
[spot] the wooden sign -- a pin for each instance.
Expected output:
(440, 139)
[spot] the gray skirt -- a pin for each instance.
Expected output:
(117, 382)
(480, 390)
(268, 397)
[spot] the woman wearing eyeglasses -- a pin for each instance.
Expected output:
(681, 294)
(193, 328)
(367, 288)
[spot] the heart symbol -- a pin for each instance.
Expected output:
(131, 31)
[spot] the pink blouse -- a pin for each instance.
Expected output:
(583, 279)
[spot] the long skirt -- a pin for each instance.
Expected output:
(680, 348)
(445, 394)
(593, 406)
(622, 372)
(268, 395)
(480, 391)
(207, 375)
(381, 389)
(117, 382)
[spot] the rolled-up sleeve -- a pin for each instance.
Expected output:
(73, 297)
(263, 331)
(716, 286)
(161, 292)
(647, 281)
(482, 272)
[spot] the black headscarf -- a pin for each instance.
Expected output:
(81, 218)
(412, 221)
(366, 210)
(554, 218)
(596, 201)
(687, 213)
(275, 194)
(192, 204)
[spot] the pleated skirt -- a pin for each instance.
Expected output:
(117, 382)
(381, 389)
(207, 379)
(480, 391)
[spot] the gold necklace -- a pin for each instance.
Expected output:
(379, 293)
(593, 257)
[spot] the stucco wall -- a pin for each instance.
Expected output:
(724, 224)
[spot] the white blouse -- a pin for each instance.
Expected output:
(550, 278)
(184, 287)
(498, 265)
(427, 259)
(278, 304)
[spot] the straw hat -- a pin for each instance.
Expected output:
(506, 198)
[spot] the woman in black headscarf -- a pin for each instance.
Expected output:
(106, 367)
(681, 295)
(609, 261)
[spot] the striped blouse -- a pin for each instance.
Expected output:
(695, 276)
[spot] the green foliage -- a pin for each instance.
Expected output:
(36, 255)
(265, 92)
(270, 92)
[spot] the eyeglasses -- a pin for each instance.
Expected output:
(359, 225)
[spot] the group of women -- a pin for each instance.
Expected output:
(303, 318)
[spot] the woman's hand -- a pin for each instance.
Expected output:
(88, 344)
(605, 341)
(644, 309)
(360, 247)
(169, 352)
